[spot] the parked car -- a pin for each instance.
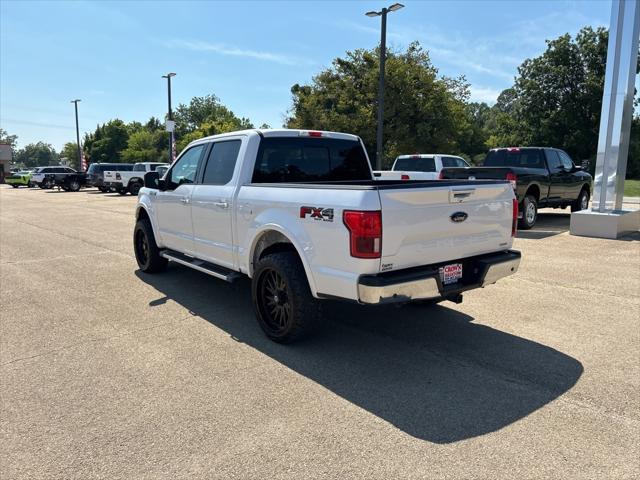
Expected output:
(19, 178)
(95, 173)
(541, 177)
(300, 213)
(420, 166)
(130, 181)
(46, 177)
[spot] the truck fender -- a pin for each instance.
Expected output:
(146, 206)
(291, 237)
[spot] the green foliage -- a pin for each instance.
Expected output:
(423, 112)
(70, 153)
(146, 146)
(205, 116)
(11, 140)
(557, 99)
(107, 142)
(202, 110)
(37, 155)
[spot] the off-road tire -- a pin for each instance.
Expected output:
(301, 312)
(148, 257)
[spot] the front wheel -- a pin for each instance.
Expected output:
(14, 185)
(46, 183)
(122, 191)
(146, 248)
(582, 203)
(74, 186)
(529, 213)
(282, 299)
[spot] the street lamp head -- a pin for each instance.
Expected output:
(169, 75)
(395, 6)
(373, 14)
(76, 100)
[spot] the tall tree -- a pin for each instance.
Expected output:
(70, 153)
(107, 142)
(37, 155)
(201, 110)
(423, 112)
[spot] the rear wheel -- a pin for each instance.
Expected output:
(122, 191)
(46, 183)
(103, 189)
(146, 249)
(14, 185)
(282, 299)
(582, 203)
(134, 188)
(529, 213)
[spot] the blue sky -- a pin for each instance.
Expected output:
(112, 54)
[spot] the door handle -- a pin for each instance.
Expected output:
(185, 200)
(221, 204)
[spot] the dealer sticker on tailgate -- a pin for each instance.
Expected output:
(451, 273)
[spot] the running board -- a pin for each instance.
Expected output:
(205, 267)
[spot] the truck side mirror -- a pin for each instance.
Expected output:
(152, 180)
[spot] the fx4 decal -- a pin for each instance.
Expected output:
(317, 213)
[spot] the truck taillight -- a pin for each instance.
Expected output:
(365, 232)
(514, 221)
(118, 176)
(513, 179)
(404, 176)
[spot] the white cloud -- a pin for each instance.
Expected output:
(223, 49)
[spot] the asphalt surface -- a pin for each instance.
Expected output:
(109, 373)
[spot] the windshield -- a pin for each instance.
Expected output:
(413, 164)
(529, 158)
(38, 170)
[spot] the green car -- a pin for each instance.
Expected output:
(19, 178)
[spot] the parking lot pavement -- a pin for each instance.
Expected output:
(110, 373)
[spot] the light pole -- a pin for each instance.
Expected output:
(75, 102)
(170, 127)
(383, 47)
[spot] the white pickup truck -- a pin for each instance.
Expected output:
(420, 166)
(300, 214)
(132, 181)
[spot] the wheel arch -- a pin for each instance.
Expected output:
(272, 239)
(534, 190)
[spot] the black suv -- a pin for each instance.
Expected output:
(541, 177)
(95, 174)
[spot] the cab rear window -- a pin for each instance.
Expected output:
(529, 158)
(419, 164)
(292, 159)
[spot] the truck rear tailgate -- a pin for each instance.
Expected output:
(446, 221)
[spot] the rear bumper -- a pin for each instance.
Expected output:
(423, 283)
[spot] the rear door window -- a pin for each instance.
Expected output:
(305, 159)
(221, 162)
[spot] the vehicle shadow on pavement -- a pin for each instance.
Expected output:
(547, 225)
(429, 371)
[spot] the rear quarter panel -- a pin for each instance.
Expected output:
(323, 245)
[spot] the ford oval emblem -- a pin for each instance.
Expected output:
(458, 217)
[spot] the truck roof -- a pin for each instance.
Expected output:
(282, 132)
(427, 155)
